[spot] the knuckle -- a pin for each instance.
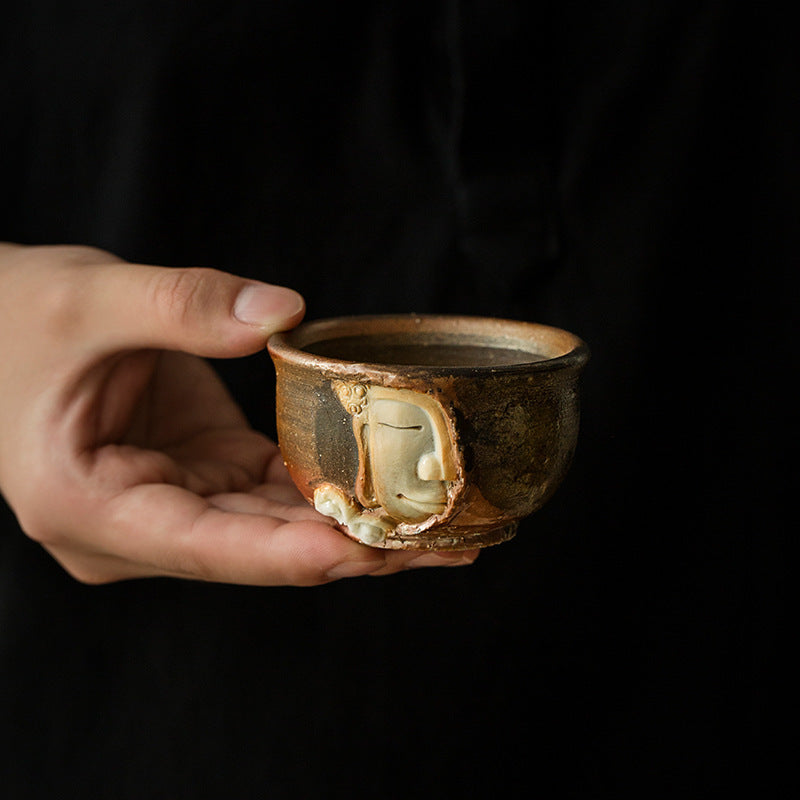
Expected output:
(58, 544)
(183, 555)
(86, 573)
(183, 295)
(40, 531)
(60, 306)
(193, 564)
(33, 526)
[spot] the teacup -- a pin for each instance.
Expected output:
(427, 431)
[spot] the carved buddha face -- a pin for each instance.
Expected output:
(405, 454)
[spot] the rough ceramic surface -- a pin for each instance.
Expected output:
(427, 432)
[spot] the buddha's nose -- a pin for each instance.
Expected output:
(429, 468)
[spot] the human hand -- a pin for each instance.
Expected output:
(122, 453)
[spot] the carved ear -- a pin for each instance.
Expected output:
(429, 468)
(365, 490)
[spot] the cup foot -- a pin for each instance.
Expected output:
(445, 538)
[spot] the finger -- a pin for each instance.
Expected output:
(90, 567)
(285, 492)
(279, 502)
(201, 311)
(7, 248)
(170, 531)
(94, 568)
(174, 532)
(403, 560)
(277, 473)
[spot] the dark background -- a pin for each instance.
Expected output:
(627, 171)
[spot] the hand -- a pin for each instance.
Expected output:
(123, 454)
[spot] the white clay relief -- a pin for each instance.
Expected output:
(406, 462)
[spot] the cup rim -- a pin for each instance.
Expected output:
(569, 350)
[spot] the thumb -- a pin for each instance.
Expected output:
(201, 311)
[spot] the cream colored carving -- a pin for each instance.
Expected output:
(406, 458)
(334, 503)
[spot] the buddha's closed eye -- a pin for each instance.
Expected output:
(401, 427)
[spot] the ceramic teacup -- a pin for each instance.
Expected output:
(427, 431)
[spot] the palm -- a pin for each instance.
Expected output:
(171, 416)
(180, 469)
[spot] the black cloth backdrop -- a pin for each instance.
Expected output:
(625, 170)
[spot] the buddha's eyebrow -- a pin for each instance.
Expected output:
(401, 427)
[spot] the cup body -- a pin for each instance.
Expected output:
(427, 431)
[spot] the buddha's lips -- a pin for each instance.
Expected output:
(426, 503)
